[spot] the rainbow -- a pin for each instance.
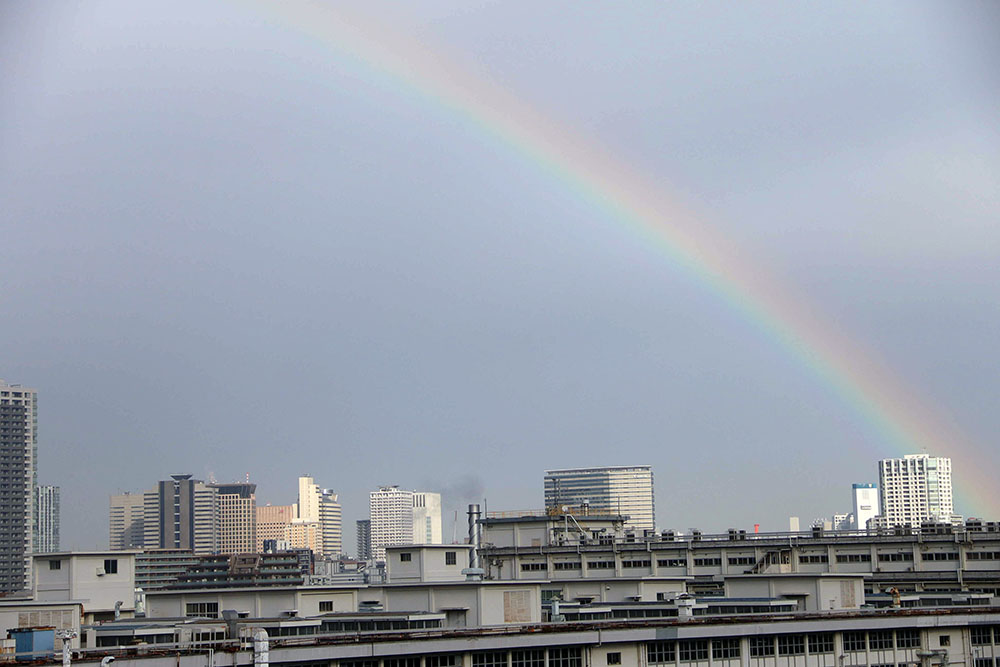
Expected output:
(895, 414)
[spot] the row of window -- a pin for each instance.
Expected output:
(985, 635)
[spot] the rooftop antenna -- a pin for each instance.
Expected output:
(211, 477)
(248, 477)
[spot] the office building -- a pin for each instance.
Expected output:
(181, 513)
(364, 537)
(125, 521)
(626, 490)
(390, 510)
(18, 454)
(237, 517)
(272, 523)
(916, 488)
(426, 518)
(321, 506)
(46, 535)
(866, 505)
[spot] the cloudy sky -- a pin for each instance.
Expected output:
(235, 242)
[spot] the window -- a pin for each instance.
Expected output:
(821, 642)
(742, 560)
(791, 644)
(567, 565)
(601, 564)
(358, 663)
(450, 557)
(110, 566)
(940, 555)
(615, 658)
(854, 641)
(660, 652)
(326, 605)
(527, 657)
(401, 662)
(907, 638)
(533, 567)
(761, 647)
(443, 660)
(672, 562)
(707, 562)
(854, 558)
(637, 563)
(983, 555)
(489, 659)
(405, 557)
(565, 657)
(896, 557)
(880, 640)
(201, 609)
(944, 640)
(814, 558)
(692, 649)
(55, 564)
(725, 648)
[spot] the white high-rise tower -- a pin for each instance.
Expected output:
(916, 488)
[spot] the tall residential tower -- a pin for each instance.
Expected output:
(18, 454)
(916, 488)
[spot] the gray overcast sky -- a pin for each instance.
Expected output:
(228, 248)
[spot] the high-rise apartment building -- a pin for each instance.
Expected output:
(390, 510)
(126, 521)
(321, 506)
(866, 505)
(916, 488)
(626, 490)
(181, 513)
(364, 537)
(272, 523)
(426, 518)
(46, 534)
(18, 454)
(237, 518)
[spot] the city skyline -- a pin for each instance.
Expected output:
(715, 240)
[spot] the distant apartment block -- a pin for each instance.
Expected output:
(426, 518)
(46, 534)
(916, 488)
(866, 505)
(18, 456)
(390, 510)
(237, 517)
(181, 513)
(125, 521)
(626, 490)
(322, 507)
(364, 539)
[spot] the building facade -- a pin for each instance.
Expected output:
(390, 510)
(126, 521)
(626, 490)
(426, 518)
(18, 456)
(916, 488)
(181, 513)
(321, 506)
(237, 517)
(364, 539)
(866, 505)
(46, 534)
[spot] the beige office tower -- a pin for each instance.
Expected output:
(273, 522)
(125, 521)
(181, 513)
(321, 506)
(626, 490)
(390, 510)
(426, 518)
(916, 488)
(18, 456)
(237, 522)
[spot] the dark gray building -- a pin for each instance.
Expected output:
(181, 513)
(18, 452)
(364, 539)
